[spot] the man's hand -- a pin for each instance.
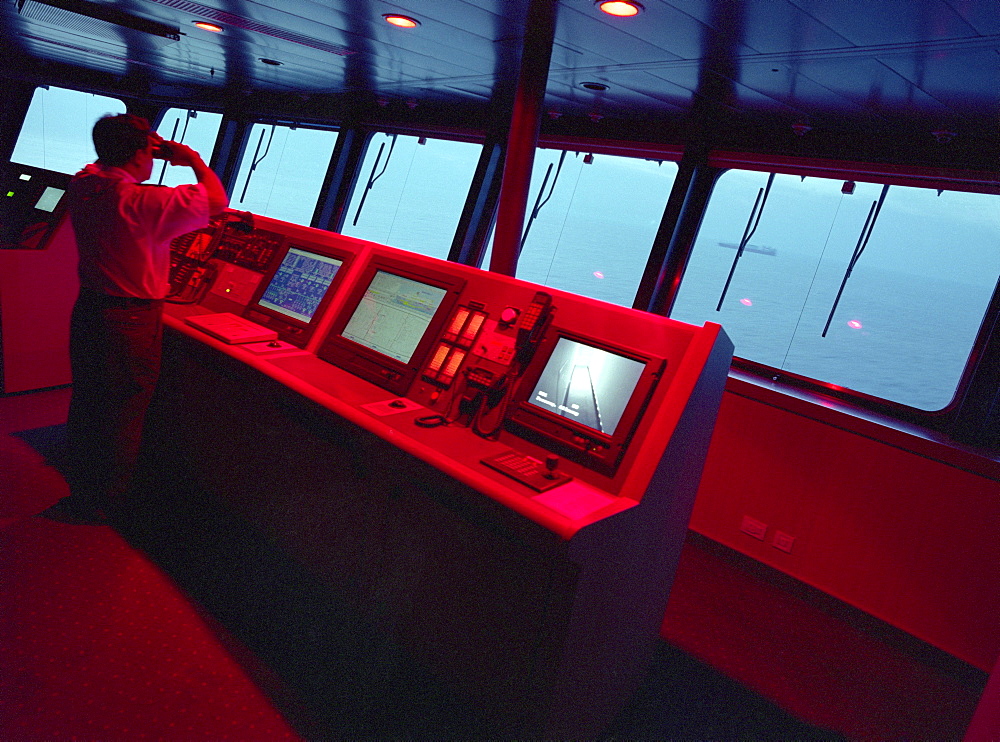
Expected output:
(182, 155)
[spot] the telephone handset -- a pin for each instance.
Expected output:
(530, 325)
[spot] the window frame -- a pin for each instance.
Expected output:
(368, 133)
(16, 131)
(616, 148)
(970, 181)
(242, 150)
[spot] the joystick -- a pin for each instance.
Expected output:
(551, 463)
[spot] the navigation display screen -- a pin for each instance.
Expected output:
(393, 315)
(300, 283)
(589, 385)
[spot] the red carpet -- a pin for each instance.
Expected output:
(98, 644)
(95, 642)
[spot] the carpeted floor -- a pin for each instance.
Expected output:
(188, 626)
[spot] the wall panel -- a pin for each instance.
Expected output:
(901, 528)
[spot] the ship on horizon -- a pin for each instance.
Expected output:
(762, 249)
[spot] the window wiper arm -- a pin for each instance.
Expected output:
(163, 167)
(866, 233)
(751, 227)
(257, 160)
(372, 176)
(541, 200)
(173, 138)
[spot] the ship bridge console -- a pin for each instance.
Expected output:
(498, 475)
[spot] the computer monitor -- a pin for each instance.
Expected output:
(582, 398)
(390, 322)
(296, 288)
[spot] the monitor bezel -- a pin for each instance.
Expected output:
(391, 374)
(575, 441)
(292, 329)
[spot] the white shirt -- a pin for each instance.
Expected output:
(123, 229)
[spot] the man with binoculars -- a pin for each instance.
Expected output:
(123, 231)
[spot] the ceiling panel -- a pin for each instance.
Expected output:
(965, 80)
(879, 22)
(839, 63)
(758, 26)
(841, 84)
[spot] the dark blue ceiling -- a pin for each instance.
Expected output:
(868, 64)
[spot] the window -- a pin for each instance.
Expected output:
(282, 171)
(595, 220)
(891, 310)
(196, 129)
(411, 191)
(56, 134)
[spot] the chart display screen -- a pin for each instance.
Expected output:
(393, 315)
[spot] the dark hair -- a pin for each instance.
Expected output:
(118, 138)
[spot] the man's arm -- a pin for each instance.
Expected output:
(181, 154)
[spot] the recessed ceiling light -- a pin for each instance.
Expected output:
(205, 26)
(620, 8)
(598, 86)
(272, 62)
(401, 21)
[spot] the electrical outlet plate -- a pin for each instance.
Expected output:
(753, 527)
(783, 541)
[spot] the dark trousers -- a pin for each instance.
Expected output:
(115, 349)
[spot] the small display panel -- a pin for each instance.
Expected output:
(393, 315)
(49, 199)
(300, 283)
(588, 385)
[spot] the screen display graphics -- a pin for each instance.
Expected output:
(300, 283)
(588, 385)
(393, 315)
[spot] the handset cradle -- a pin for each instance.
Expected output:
(531, 325)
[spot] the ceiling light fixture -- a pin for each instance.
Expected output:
(620, 8)
(598, 87)
(206, 26)
(401, 21)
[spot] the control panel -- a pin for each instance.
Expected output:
(230, 241)
(554, 387)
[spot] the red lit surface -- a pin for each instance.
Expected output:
(881, 522)
(95, 641)
(723, 611)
